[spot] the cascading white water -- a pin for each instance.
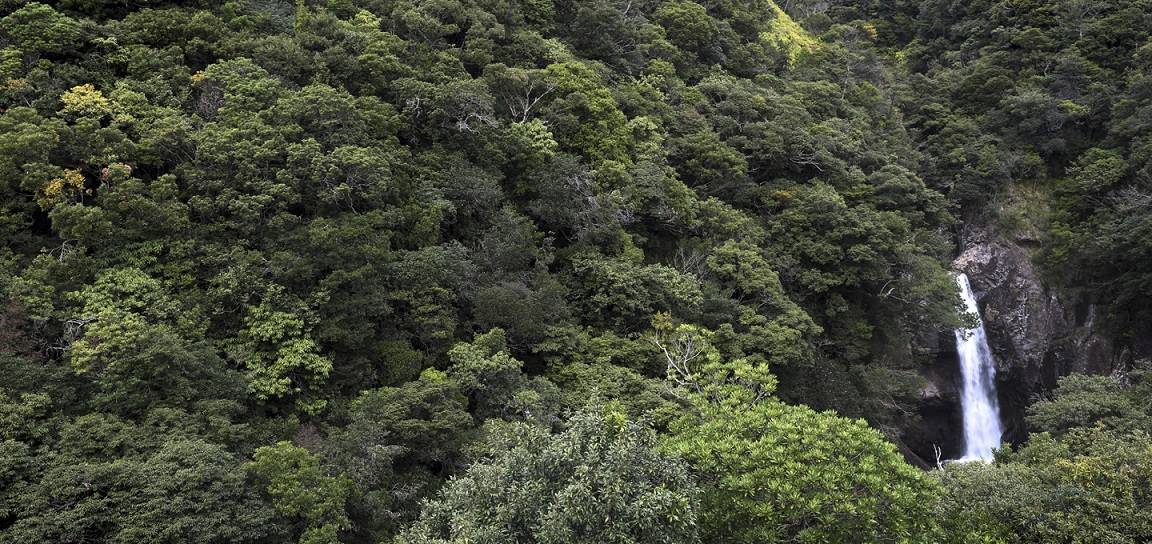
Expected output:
(978, 399)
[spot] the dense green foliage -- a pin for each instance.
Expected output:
(1087, 477)
(548, 270)
(599, 481)
(771, 472)
(1038, 114)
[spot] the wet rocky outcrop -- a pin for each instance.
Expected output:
(1036, 335)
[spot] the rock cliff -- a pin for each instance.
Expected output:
(1036, 335)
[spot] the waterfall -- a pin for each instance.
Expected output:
(978, 397)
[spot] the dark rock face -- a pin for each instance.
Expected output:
(1035, 334)
(940, 418)
(1036, 337)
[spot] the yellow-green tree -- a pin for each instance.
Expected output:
(771, 472)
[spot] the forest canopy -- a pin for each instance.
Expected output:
(536, 271)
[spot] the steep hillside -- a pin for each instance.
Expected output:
(430, 271)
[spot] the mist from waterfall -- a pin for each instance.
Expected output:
(982, 429)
